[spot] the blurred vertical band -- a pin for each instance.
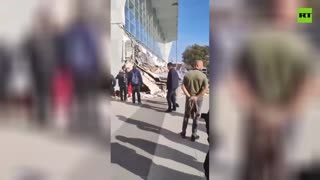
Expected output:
(52, 126)
(232, 22)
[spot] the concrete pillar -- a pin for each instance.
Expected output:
(117, 35)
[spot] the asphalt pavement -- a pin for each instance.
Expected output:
(145, 142)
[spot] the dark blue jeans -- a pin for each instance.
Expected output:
(123, 93)
(171, 99)
(136, 90)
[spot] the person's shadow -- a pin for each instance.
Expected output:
(157, 106)
(28, 173)
(162, 108)
(157, 102)
(164, 151)
(140, 165)
(201, 127)
(166, 133)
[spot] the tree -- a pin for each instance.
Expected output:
(196, 52)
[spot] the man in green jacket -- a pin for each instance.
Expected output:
(195, 85)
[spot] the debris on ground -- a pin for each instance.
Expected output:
(154, 71)
(146, 96)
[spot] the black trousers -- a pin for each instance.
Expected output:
(171, 99)
(123, 93)
(43, 102)
(136, 90)
(206, 166)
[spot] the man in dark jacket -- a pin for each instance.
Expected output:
(123, 84)
(5, 58)
(41, 53)
(135, 78)
(108, 83)
(172, 85)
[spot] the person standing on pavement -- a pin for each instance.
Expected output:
(113, 82)
(274, 74)
(271, 101)
(123, 84)
(40, 50)
(195, 85)
(108, 82)
(172, 85)
(135, 79)
(5, 58)
(83, 54)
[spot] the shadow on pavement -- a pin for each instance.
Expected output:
(90, 167)
(157, 102)
(159, 108)
(28, 173)
(140, 165)
(161, 102)
(165, 132)
(155, 108)
(162, 110)
(177, 114)
(164, 151)
(87, 121)
(201, 126)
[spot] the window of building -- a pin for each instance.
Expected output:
(142, 23)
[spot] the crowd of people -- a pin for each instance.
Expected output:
(64, 65)
(194, 85)
(130, 82)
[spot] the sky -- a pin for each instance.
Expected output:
(193, 26)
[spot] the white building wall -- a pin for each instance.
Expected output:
(117, 35)
(165, 49)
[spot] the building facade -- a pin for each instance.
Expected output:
(149, 25)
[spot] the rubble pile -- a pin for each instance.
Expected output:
(154, 72)
(154, 69)
(152, 86)
(161, 94)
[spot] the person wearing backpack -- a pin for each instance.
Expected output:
(135, 79)
(83, 54)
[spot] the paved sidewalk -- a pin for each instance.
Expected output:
(146, 143)
(48, 154)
